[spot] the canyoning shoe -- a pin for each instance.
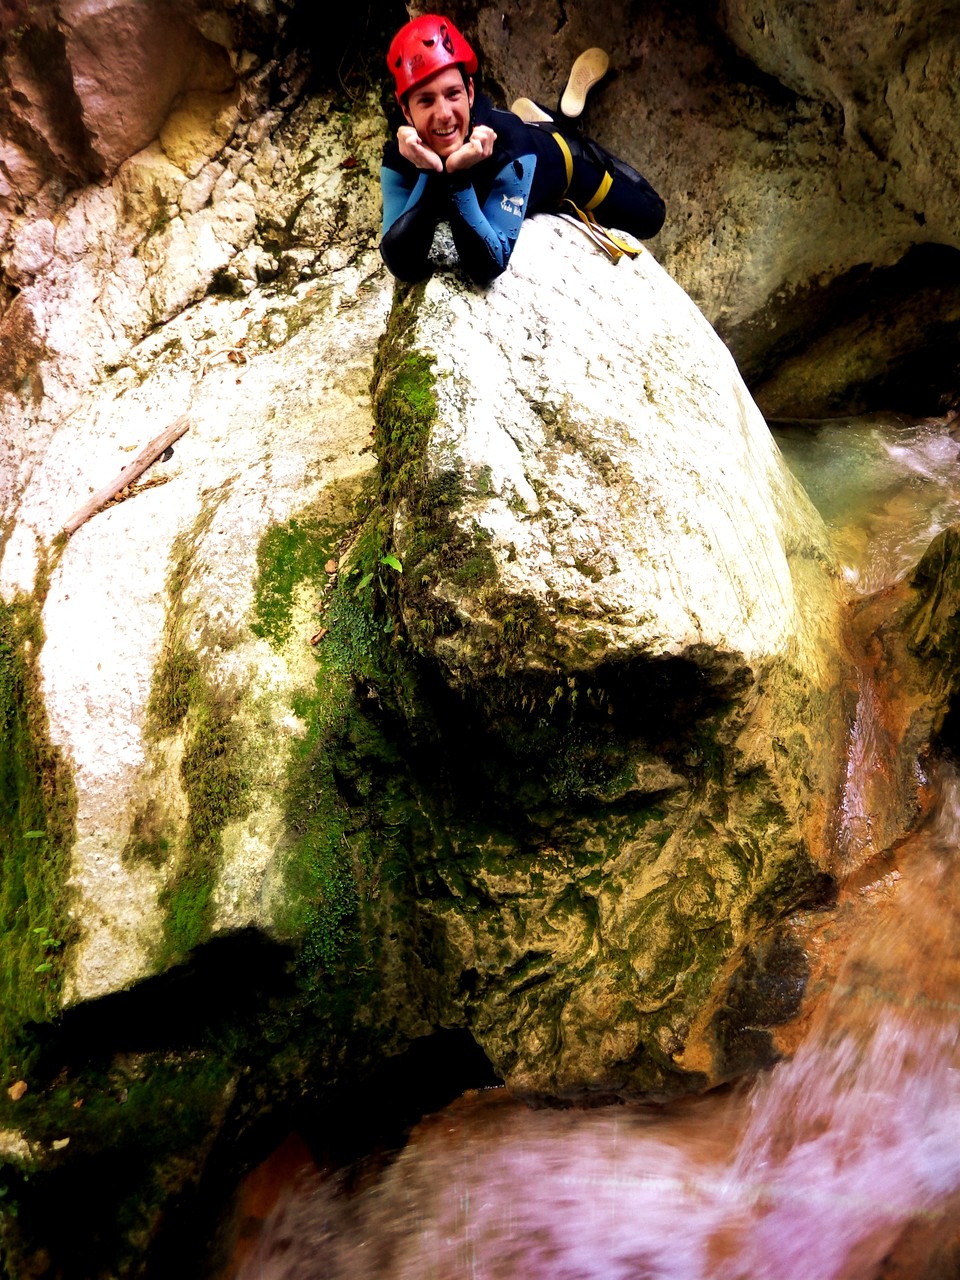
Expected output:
(530, 112)
(590, 67)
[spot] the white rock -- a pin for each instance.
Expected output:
(277, 391)
(33, 250)
(613, 462)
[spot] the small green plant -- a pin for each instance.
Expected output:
(390, 561)
(570, 693)
(47, 944)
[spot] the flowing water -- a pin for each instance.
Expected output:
(885, 486)
(842, 1163)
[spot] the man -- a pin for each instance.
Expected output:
(457, 159)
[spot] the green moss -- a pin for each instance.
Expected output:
(406, 408)
(215, 783)
(475, 570)
(348, 804)
(435, 546)
(150, 839)
(188, 909)
(320, 895)
(216, 780)
(214, 769)
(37, 829)
(177, 682)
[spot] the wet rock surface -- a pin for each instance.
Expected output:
(278, 416)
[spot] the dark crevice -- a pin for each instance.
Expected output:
(217, 989)
(351, 1128)
(345, 45)
(525, 755)
(948, 740)
(765, 992)
(914, 304)
(229, 1028)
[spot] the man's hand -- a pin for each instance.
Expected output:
(414, 149)
(476, 148)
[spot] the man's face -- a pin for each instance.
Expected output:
(439, 110)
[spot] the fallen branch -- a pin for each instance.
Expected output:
(150, 453)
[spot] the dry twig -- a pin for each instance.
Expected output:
(147, 455)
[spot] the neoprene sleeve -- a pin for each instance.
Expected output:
(484, 234)
(409, 218)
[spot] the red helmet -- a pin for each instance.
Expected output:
(425, 46)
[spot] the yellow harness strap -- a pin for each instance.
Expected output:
(599, 194)
(605, 240)
(562, 143)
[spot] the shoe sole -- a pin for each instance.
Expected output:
(528, 111)
(590, 67)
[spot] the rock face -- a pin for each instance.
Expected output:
(908, 634)
(613, 571)
(86, 83)
(279, 417)
(156, 672)
(776, 135)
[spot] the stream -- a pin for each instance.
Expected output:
(840, 1163)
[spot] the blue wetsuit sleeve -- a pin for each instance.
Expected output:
(409, 220)
(485, 236)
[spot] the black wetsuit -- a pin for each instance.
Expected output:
(486, 204)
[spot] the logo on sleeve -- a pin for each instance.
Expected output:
(512, 204)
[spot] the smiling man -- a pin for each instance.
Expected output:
(457, 159)
(439, 114)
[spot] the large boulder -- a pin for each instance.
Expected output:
(636, 611)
